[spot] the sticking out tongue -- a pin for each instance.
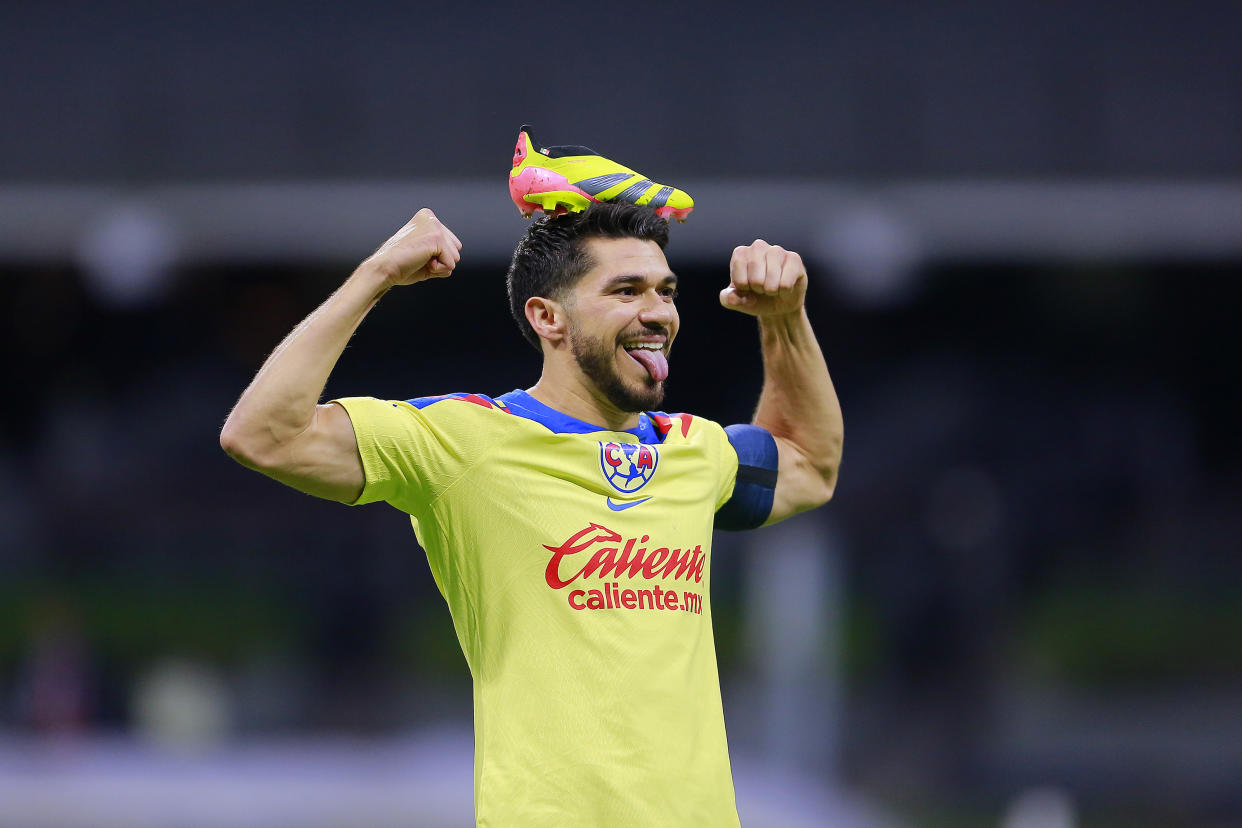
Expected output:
(654, 361)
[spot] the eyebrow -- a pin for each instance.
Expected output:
(634, 278)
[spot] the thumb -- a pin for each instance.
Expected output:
(730, 298)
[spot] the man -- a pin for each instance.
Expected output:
(569, 526)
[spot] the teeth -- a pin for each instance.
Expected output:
(647, 346)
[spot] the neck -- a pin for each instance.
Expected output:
(578, 397)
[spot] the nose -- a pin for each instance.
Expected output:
(657, 310)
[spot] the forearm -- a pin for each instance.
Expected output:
(280, 403)
(798, 403)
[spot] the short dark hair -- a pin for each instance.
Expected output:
(553, 256)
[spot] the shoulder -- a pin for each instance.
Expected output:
(459, 410)
(751, 444)
(680, 424)
(685, 427)
(460, 413)
(666, 424)
(457, 397)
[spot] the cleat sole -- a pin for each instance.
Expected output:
(559, 201)
(538, 188)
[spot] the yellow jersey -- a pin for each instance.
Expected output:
(576, 564)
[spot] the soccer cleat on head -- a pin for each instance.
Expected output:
(560, 179)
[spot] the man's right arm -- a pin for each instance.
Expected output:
(278, 426)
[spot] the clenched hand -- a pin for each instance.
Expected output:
(422, 249)
(765, 280)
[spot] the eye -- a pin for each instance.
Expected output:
(669, 293)
(627, 291)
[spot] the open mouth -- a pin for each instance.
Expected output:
(651, 356)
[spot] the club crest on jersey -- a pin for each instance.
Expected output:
(628, 466)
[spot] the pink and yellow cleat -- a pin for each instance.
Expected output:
(570, 178)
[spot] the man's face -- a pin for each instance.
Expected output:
(622, 321)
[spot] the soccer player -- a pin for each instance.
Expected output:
(569, 525)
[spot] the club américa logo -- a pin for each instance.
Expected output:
(628, 466)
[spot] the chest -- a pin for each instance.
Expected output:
(607, 471)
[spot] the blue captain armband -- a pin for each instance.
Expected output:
(757, 459)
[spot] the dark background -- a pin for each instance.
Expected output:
(1023, 224)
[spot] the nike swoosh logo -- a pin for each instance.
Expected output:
(621, 507)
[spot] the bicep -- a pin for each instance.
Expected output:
(799, 484)
(323, 460)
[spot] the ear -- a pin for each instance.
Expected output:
(547, 318)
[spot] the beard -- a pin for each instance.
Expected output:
(598, 361)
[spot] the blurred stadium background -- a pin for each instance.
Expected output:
(1024, 225)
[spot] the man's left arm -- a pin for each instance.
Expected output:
(798, 405)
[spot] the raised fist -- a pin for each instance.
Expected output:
(422, 249)
(765, 280)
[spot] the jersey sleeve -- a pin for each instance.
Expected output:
(410, 455)
(750, 502)
(715, 445)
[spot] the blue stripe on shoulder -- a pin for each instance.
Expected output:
(757, 463)
(477, 399)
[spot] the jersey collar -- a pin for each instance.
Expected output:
(524, 405)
